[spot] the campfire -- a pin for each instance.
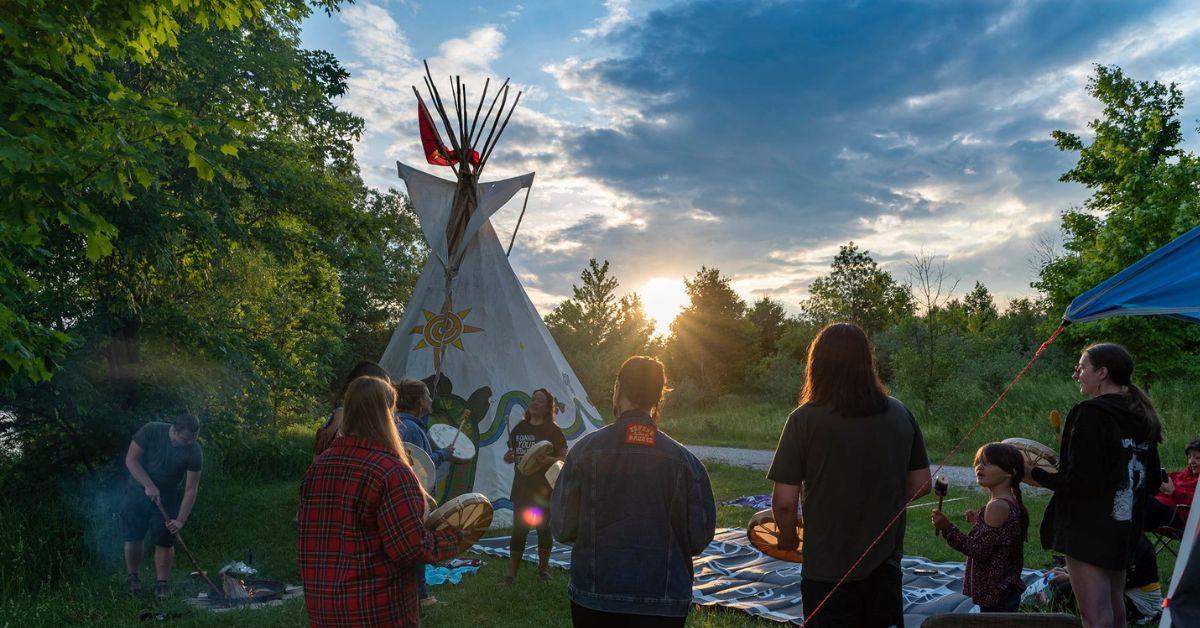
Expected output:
(240, 589)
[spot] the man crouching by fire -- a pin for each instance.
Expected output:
(160, 456)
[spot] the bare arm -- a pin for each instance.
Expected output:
(918, 483)
(784, 499)
(191, 485)
(133, 462)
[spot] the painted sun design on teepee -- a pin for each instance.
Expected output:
(443, 329)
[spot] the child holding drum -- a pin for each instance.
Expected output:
(994, 546)
(530, 490)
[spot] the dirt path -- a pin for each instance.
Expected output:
(760, 460)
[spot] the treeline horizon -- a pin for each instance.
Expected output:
(186, 228)
(931, 340)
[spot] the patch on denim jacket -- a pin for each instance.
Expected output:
(638, 434)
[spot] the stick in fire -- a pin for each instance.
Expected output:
(195, 563)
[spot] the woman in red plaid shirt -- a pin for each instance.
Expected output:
(362, 515)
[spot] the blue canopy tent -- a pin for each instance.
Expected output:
(1164, 283)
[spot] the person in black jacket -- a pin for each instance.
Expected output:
(1108, 465)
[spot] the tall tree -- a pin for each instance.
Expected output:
(79, 135)
(1144, 193)
(770, 322)
(934, 289)
(233, 272)
(712, 343)
(596, 330)
(857, 290)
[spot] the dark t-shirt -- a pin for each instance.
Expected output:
(520, 440)
(165, 463)
(853, 475)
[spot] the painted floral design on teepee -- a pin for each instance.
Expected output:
(443, 329)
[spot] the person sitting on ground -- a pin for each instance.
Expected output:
(530, 494)
(1143, 590)
(161, 456)
(413, 401)
(362, 527)
(995, 544)
(1174, 497)
(860, 457)
(330, 430)
(638, 506)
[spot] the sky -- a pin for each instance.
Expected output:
(758, 137)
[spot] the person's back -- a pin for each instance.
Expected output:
(638, 506)
(853, 470)
(361, 530)
(858, 457)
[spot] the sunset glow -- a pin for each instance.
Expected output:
(663, 298)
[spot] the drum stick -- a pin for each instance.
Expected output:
(461, 422)
(941, 488)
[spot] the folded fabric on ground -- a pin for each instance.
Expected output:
(757, 502)
(435, 575)
(731, 573)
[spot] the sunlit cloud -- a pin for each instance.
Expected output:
(670, 135)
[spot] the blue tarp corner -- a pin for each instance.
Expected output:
(1164, 283)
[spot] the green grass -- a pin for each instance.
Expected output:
(235, 515)
(753, 424)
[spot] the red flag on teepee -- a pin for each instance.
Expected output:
(436, 152)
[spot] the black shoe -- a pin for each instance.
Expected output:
(134, 584)
(162, 590)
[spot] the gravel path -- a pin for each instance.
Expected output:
(760, 460)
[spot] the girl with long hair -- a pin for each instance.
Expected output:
(859, 456)
(994, 546)
(530, 494)
(1107, 467)
(361, 523)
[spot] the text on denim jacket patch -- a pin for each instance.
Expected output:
(638, 434)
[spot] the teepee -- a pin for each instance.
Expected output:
(469, 330)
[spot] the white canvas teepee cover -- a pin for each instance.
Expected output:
(488, 335)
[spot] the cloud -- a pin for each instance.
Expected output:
(617, 15)
(795, 127)
(758, 137)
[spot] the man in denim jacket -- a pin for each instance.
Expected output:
(638, 506)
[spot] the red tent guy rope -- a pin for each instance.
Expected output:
(1037, 354)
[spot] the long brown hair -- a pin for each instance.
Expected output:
(643, 382)
(841, 372)
(1119, 363)
(1010, 460)
(367, 412)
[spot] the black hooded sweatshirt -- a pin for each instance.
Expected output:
(1107, 466)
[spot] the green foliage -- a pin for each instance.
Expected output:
(235, 284)
(596, 331)
(858, 291)
(78, 132)
(1144, 194)
(712, 343)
